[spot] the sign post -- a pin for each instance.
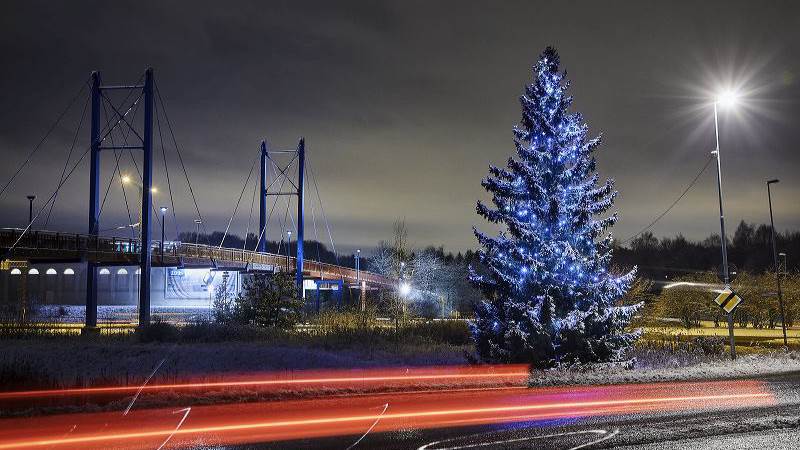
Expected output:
(728, 300)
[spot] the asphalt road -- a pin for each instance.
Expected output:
(462, 409)
(739, 426)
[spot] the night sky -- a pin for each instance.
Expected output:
(404, 104)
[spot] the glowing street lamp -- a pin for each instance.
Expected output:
(725, 99)
(404, 289)
(358, 267)
(127, 180)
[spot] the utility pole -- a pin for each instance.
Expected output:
(775, 260)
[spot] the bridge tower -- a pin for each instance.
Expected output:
(97, 140)
(299, 192)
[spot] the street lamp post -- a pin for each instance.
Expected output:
(127, 180)
(726, 98)
(163, 210)
(358, 266)
(288, 250)
(775, 260)
(197, 223)
(31, 198)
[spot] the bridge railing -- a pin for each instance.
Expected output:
(54, 244)
(69, 242)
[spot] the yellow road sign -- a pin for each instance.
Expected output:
(728, 300)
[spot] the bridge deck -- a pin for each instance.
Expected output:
(54, 246)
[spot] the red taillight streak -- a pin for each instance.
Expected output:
(257, 383)
(574, 407)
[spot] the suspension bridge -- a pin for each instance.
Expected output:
(120, 134)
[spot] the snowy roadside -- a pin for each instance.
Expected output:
(745, 366)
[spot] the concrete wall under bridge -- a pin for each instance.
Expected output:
(57, 292)
(42, 288)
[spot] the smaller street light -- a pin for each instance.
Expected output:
(288, 249)
(405, 289)
(358, 266)
(197, 223)
(775, 260)
(31, 198)
(163, 210)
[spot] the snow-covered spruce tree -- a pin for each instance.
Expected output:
(549, 297)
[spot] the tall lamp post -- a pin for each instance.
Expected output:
(31, 198)
(163, 210)
(775, 260)
(358, 266)
(725, 99)
(288, 250)
(197, 223)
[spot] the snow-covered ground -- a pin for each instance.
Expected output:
(670, 369)
(119, 313)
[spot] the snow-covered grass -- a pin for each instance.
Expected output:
(650, 366)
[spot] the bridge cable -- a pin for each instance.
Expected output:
(325, 217)
(180, 157)
(322, 209)
(117, 171)
(250, 216)
(69, 156)
(236, 208)
(660, 216)
(283, 225)
(105, 133)
(314, 222)
(135, 106)
(166, 170)
(27, 228)
(141, 180)
(262, 234)
(118, 155)
(46, 135)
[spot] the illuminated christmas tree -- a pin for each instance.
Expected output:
(549, 297)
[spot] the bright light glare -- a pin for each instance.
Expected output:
(126, 179)
(727, 98)
(405, 289)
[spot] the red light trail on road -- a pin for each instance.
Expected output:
(353, 415)
(360, 379)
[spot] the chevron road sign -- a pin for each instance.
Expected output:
(728, 300)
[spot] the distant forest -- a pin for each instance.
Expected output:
(749, 249)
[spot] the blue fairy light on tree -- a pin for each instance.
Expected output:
(549, 297)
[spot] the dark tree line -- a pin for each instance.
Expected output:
(749, 249)
(314, 250)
